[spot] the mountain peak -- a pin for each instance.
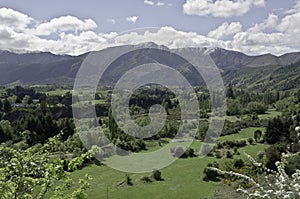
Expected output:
(152, 45)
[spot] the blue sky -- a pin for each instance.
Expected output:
(212, 25)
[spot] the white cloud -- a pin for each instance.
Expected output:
(152, 3)
(226, 30)
(269, 23)
(65, 23)
(295, 9)
(290, 24)
(272, 20)
(132, 19)
(112, 21)
(14, 19)
(76, 36)
(160, 4)
(220, 8)
(149, 2)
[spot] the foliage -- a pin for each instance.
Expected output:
(31, 173)
(179, 152)
(277, 184)
(156, 175)
(277, 131)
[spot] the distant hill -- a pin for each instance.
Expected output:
(236, 68)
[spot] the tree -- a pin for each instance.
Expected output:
(238, 163)
(6, 105)
(6, 131)
(156, 174)
(277, 131)
(128, 180)
(273, 154)
(251, 141)
(256, 107)
(274, 184)
(233, 107)
(257, 135)
(97, 97)
(178, 152)
(27, 100)
(229, 92)
(67, 99)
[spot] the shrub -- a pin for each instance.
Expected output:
(210, 175)
(218, 154)
(146, 179)
(277, 184)
(238, 163)
(257, 135)
(260, 155)
(229, 154)
(178, 152)
(128, 180)
(251, 141)
(156, 174)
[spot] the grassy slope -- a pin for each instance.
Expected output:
(271, 113)
(243, 134)
(182, 179)
(187, 183)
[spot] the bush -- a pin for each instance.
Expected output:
(251, 141)
(128, 180)
(146, 179)
(235, 151)
(156, 174)
(273, 154)
(257, 135)
(229, 154)
(260, 155)
(238, 163)
(210, 175)
(178, 151)
(189, 152)
(218, 154)
(282, 185)
(256, 107)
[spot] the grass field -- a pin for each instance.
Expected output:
(59, 92)
(243, 134)
(271, 113)
(182, 179)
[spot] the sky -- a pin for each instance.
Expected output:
(74, 26)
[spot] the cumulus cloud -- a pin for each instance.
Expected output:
(132, 19)
(65, 23)
(226, 30)
(290, 24)
(268, 24)
(220, 8)
(12, 18)
(76, 36)
(295, 9)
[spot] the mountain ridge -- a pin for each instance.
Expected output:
(48, 68)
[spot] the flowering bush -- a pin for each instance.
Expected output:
(277, 184)
(32, 173)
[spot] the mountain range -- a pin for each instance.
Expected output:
(236, 68)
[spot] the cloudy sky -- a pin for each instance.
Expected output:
(75, 26)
